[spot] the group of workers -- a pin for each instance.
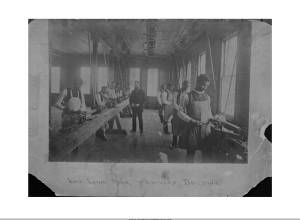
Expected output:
(189, 110)
(107, 98)
(72, 102)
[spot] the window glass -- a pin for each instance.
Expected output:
(85, 75)
(228, 75)
(134, 75)
(180, 76)
(55, 79)
(102, 77)
(189, 71)
(152, 82)
(202, 63)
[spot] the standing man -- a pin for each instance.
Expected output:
(72, 102)
(111, 93)
(126, 112)
(101, 99)
(199, 110)
(112, 90)
(137, 100)
(167, 101)
(179, 104)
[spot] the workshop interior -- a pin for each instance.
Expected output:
(152, 90)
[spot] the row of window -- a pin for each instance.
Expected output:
(102, 79)
(134, 74)
(227, 77)
(152, 79)
(85, 74)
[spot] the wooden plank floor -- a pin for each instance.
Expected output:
(148, 147)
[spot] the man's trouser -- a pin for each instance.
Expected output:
(167, 114)
(160, 114)
(137, 112)
(112, 121)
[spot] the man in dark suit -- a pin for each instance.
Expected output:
(137, 99)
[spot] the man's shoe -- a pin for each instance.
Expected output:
(100, 134)
(104, 138)
(172, 146)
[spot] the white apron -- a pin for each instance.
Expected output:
(74, 103)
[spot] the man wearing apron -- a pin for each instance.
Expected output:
(72, 102)
(111, 93)
(101, 99)
(199, 110)
(179, 104)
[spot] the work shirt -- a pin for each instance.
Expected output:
(101, 99)
(166, 97)
(180, 100)
(182, 106)
(137, 97)
(159, 97)
(111, 93)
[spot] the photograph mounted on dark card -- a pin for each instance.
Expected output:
(150, 107)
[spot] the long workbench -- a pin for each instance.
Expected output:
(63, 144)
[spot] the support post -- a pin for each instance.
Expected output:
(94, 68)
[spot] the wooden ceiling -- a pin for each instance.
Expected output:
(133, 37)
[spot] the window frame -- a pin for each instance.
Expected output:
(88, 91)
(181, 76)
(98, 74)
(229, 117)
(157, 82)
(189, 71)
(59, 82)
(199, 62)
(131, 87)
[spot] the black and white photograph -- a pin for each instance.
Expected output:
(150, 90)
(150, 107)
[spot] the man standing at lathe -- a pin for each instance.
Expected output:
(137, 100)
